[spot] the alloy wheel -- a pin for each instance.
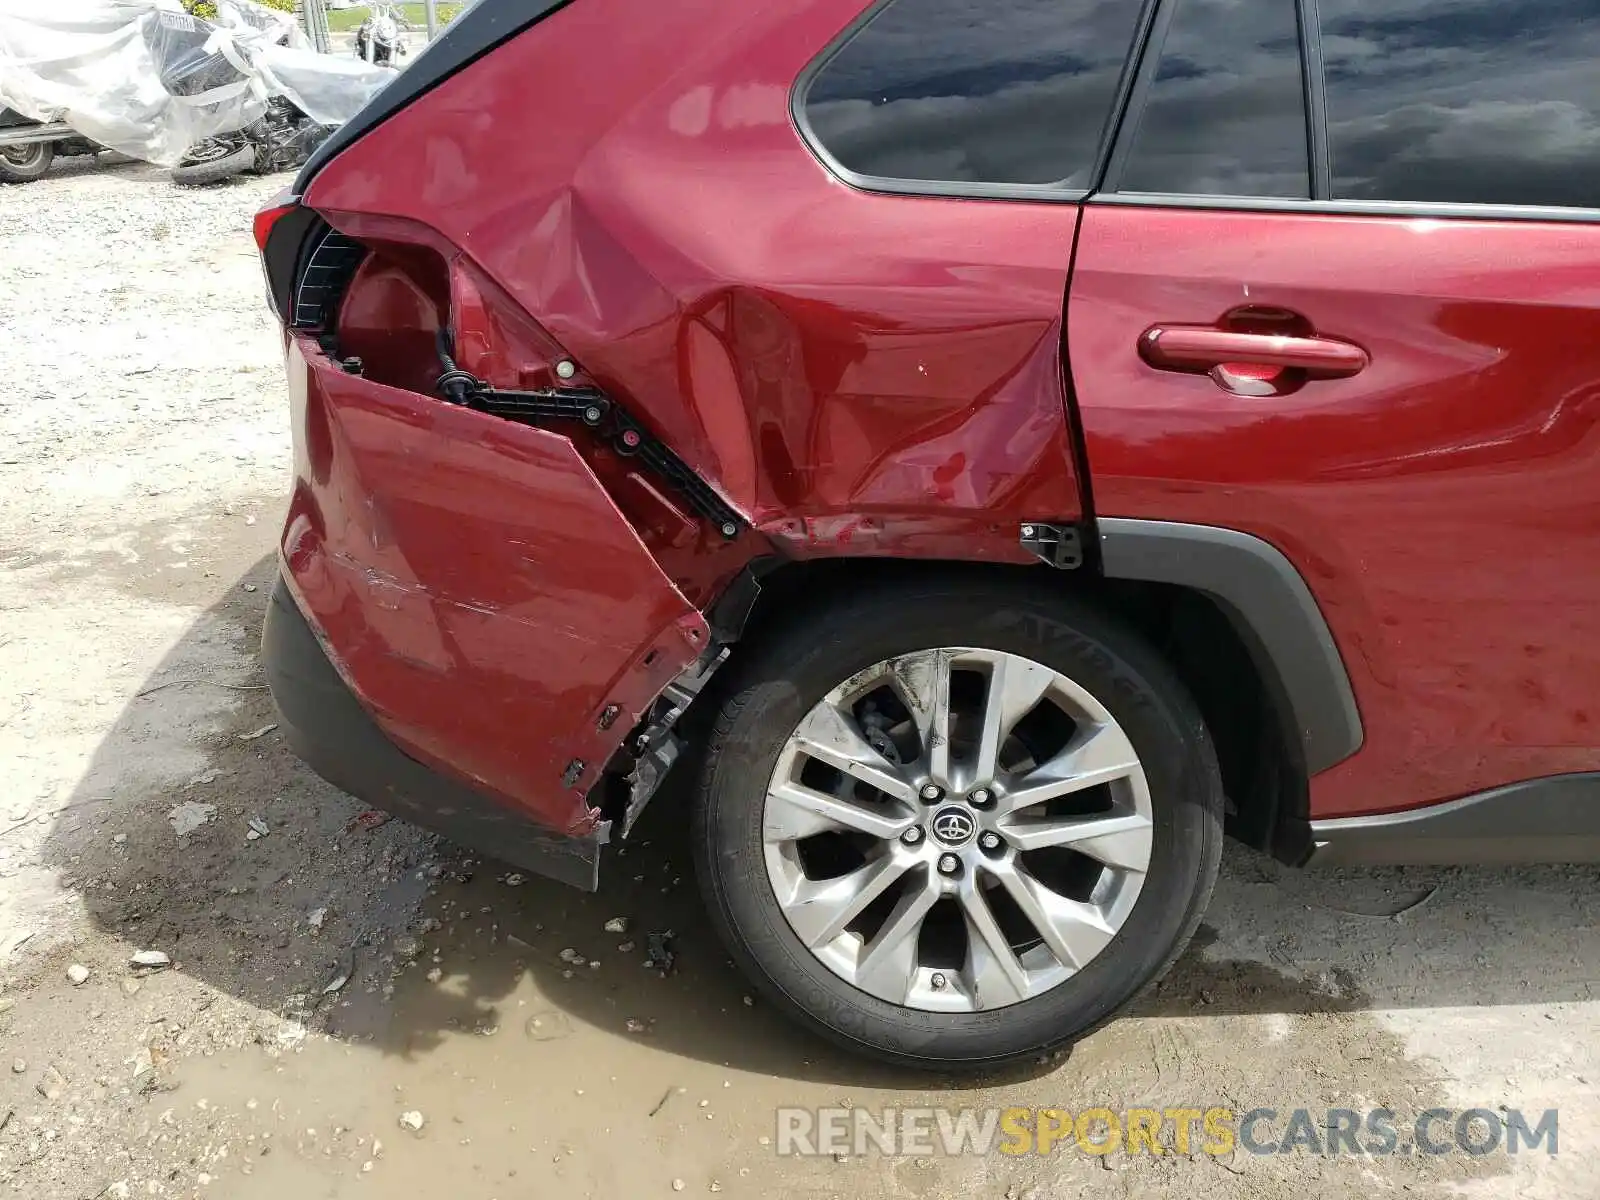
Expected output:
(957, 829)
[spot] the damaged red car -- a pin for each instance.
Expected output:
(996, 449)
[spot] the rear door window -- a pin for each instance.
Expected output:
(1224, 113)
(1000, 93)
(1468, 101)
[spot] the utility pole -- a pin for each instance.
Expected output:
(432, 8)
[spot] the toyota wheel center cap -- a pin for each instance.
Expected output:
(953, 826)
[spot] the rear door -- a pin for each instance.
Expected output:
(1341, 290)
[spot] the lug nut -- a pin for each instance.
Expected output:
(980, 797)
(912, 836)
(949, 864)
(990, 841)
(938, 981)
(932, 792)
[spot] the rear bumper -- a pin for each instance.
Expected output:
(327, 726)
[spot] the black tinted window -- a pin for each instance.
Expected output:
(1226, 110)
(977, 91)
(1477, 101)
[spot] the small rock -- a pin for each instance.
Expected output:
(625, 947)
(130, 987)
(366, 1166)
(515, 880)
(407, 947)
(569, 955)
(191, 814)
(715, 1186)
(316, 917)
(548, 1025)
(594, 964)
(749, 1001)
(78, 974)
(411, 1120)
(434, 975)
(678, 1185)
(51, 1084)
(658, 952)
(120, 839)
(636, 1026)
(259, 827)
(152, 960)
(19, 1065)
(617, 925)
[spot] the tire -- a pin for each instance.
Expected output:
(215, 170)
(24, 164)
(779, 683)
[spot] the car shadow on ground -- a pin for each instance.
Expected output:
(277, 919)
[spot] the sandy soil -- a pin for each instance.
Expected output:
(143, 455)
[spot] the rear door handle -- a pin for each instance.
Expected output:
(1199, 349)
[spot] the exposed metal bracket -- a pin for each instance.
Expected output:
(599, 412)
(1059, 546)
(656, 747)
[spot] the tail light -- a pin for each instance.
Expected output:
(266, 219)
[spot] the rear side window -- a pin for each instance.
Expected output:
(1471, 101)
(1225, 112)
(1003, 92)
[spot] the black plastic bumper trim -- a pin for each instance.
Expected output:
(1270, 606)
(326, 726)
(1551, 820)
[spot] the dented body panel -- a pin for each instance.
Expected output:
(476, 588)
(855, 373)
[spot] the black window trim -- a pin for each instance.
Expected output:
(1316, 99)
(959, 189)
(1321, 156)
(1144, 81)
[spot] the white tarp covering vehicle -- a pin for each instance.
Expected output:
(145, 78)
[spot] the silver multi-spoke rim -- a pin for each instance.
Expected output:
(957, 829)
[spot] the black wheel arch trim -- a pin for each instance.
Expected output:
(1265, 598)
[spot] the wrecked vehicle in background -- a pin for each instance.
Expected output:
(145, 78)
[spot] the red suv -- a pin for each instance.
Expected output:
(997, 447)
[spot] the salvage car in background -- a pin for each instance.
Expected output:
(994, 448)
(147, 79)
(28, 147)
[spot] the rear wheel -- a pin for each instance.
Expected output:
(212, 161)
(953, 826)
(24, 164)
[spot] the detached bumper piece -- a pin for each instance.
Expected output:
(327, 727)
(600, 413)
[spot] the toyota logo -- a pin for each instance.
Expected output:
(954, 826)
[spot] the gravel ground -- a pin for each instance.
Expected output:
(336, 973)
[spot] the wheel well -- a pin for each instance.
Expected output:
(1210, 649)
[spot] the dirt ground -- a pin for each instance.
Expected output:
(143, 460)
